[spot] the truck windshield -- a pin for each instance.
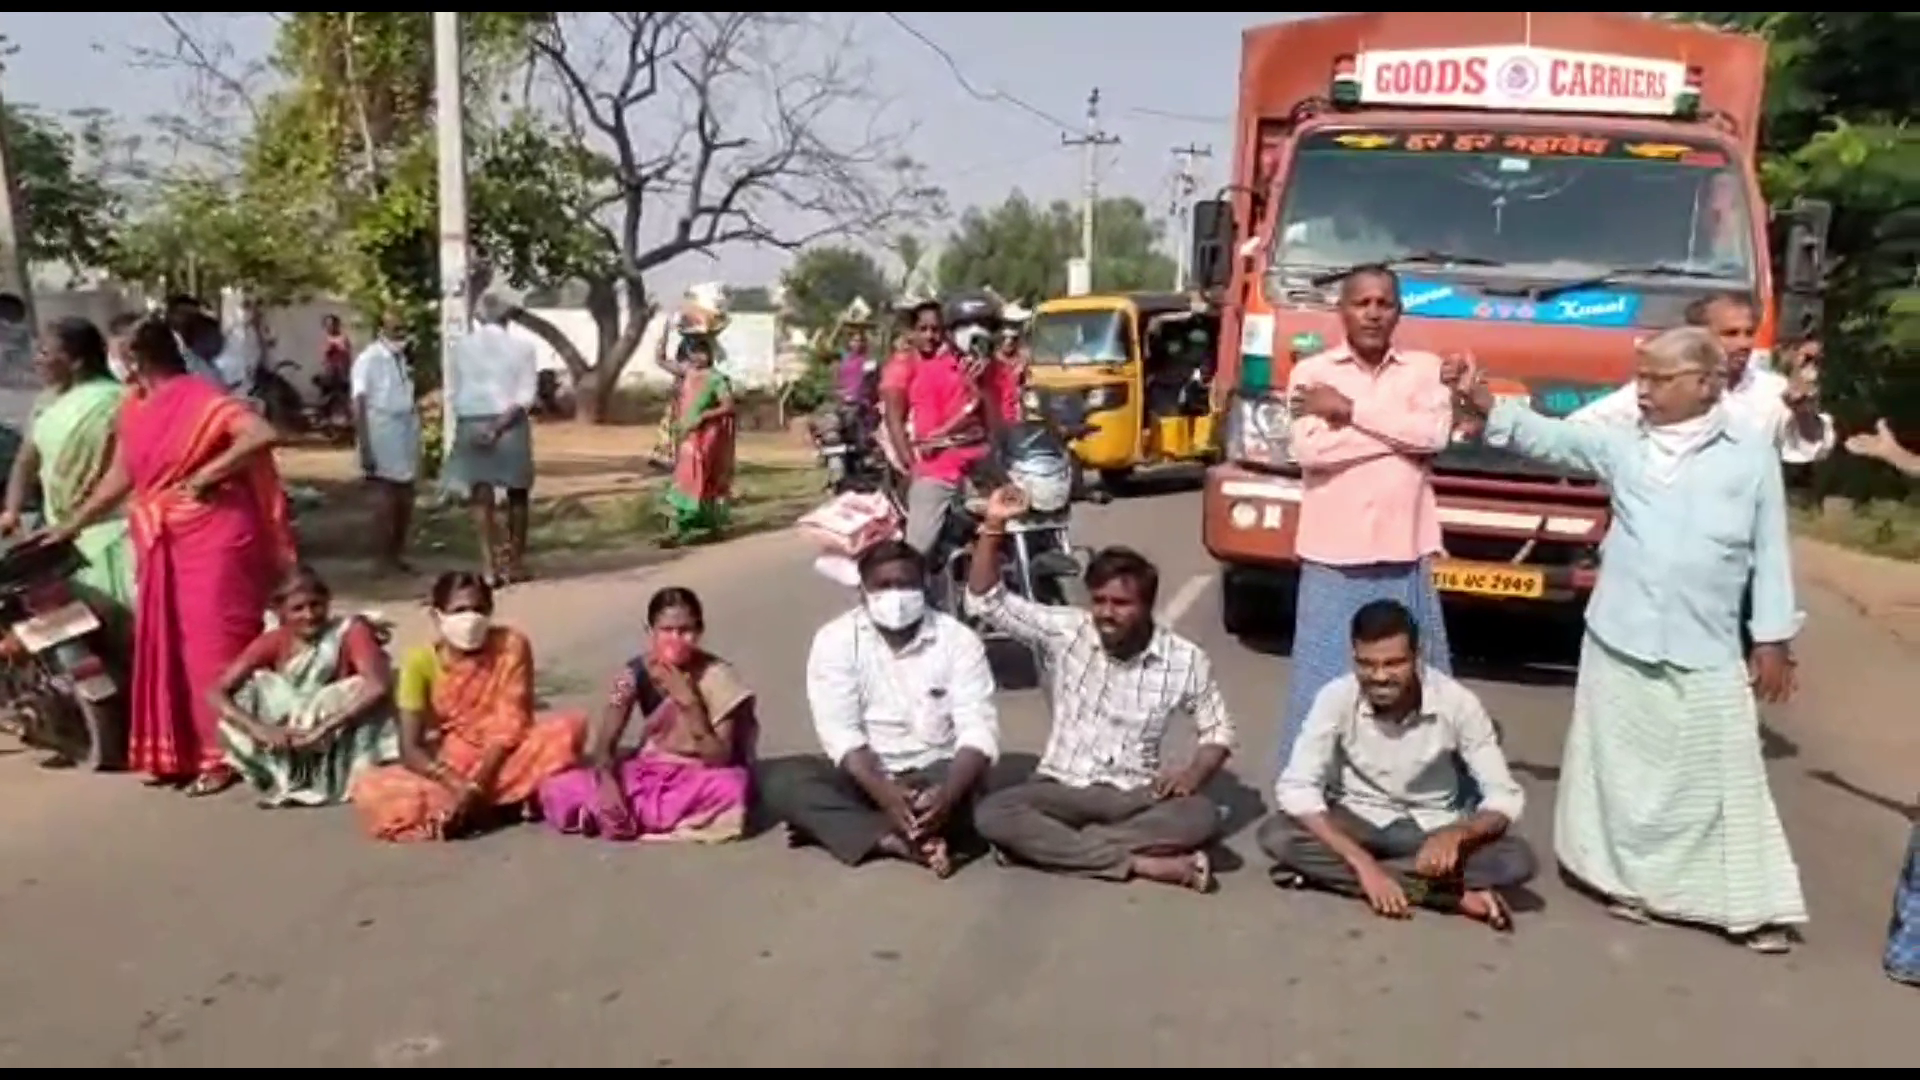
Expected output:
(1542, 205)
(1080, 337)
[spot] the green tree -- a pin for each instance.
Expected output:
(70, 212)
(709, 129)
(1842, 91)
(1021, 249)
(824, 280)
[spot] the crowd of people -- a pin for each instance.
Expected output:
(1392, 785)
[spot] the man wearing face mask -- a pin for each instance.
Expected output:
(1663, 806)
(1102, 804)
(902, 702)
(387, 428)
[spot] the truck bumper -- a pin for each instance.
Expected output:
(1498, 550)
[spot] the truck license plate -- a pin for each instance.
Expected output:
(1489, 579)
(64, 623)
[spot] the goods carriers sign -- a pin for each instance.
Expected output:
(1521, 77)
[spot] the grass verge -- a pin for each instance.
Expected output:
(1885, 527)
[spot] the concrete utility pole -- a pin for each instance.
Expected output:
(1090, 145)
(1182, 209)
(450, 129)
(15, 277)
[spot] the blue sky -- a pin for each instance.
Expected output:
(1167, 79)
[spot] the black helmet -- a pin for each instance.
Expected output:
(977, 307)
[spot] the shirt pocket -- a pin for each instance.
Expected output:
(933, 717)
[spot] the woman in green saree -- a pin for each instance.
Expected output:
(309, 704)
(68, 449)
(704, 427)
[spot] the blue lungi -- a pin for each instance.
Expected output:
(508, 463)
(1323, 627)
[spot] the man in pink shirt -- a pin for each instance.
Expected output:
(1367, 420)
(937, 420)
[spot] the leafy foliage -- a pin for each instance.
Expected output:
(69, 210)
(1842, 91)
(824, 280)
(1021, 249)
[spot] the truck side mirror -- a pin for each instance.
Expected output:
(1212, 240)
(1804, 256)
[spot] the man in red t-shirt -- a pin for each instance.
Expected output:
(936, 422)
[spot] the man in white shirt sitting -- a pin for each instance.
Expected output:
(1101, 804)
(492, 389)
(902, 702)
(1369, 799)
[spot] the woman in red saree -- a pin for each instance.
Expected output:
(211, 536)
(702, 489)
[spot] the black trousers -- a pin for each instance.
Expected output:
(825, 805)
(1504, 863)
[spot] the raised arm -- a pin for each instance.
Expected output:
(1571, 443)
(1621, 409)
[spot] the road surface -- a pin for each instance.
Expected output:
(145, 930)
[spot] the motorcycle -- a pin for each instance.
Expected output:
(1041, 562)
(280, 402)
(845, 438)
(60, 686)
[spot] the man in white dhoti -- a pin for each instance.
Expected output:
(1663, 804)
(386, 420)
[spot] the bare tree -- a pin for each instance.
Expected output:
(714, 128)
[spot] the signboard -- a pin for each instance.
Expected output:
(1522, 77)
(1602, 308)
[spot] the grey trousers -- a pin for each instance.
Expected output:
(927, 504)
(1504, 863)
(826, 805)
(1092, 831)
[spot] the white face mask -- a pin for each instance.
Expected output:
(465, 630)
(896, 609)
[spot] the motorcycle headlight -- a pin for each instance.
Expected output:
(1030, 401)
(1257, 430)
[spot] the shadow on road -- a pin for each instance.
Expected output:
(1909, 811)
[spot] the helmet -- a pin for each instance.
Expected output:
(1045, 477)
(975, 307)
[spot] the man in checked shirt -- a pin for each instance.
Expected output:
(1101, 804)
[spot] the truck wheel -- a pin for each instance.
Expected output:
(1258, 605)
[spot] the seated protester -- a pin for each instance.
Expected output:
(1102, 805)
(689, 780)
(308, 706)
(902, 701)
(1369, 801)
(470, 745)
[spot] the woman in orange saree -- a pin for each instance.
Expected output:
(211, 537)
(470, 744)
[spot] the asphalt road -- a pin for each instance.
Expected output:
(144, 930)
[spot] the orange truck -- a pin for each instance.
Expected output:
(1551, 187)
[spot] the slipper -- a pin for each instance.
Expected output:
(1769, 941)
(1629, 912)
(1500, 916)
(1201, 879)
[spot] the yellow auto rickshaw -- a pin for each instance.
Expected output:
(1138, 366)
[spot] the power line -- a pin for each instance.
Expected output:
(1185, 118)
(997, 97)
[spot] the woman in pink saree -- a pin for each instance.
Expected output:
(211, 536)
(689, 781)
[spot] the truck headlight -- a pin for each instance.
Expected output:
(1257, 431)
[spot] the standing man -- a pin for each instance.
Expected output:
(1102, 804)
(386, 422)
(1367, 421)
(1784, 409)
(1664, 806)
(935, 424)
(496, 386)
(902, 702)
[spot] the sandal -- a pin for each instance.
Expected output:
(212, 783)
(1201, 879)
(1499, 913)
(1769, 941)
(1628, 911)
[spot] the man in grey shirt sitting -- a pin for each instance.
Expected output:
(1369, 799)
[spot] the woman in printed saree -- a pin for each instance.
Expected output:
(308, 705)
(690, 778)
(69, 448)
(471, 748)
(211, 537)
(702, 486)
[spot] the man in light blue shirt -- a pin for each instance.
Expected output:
(1663, 801)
